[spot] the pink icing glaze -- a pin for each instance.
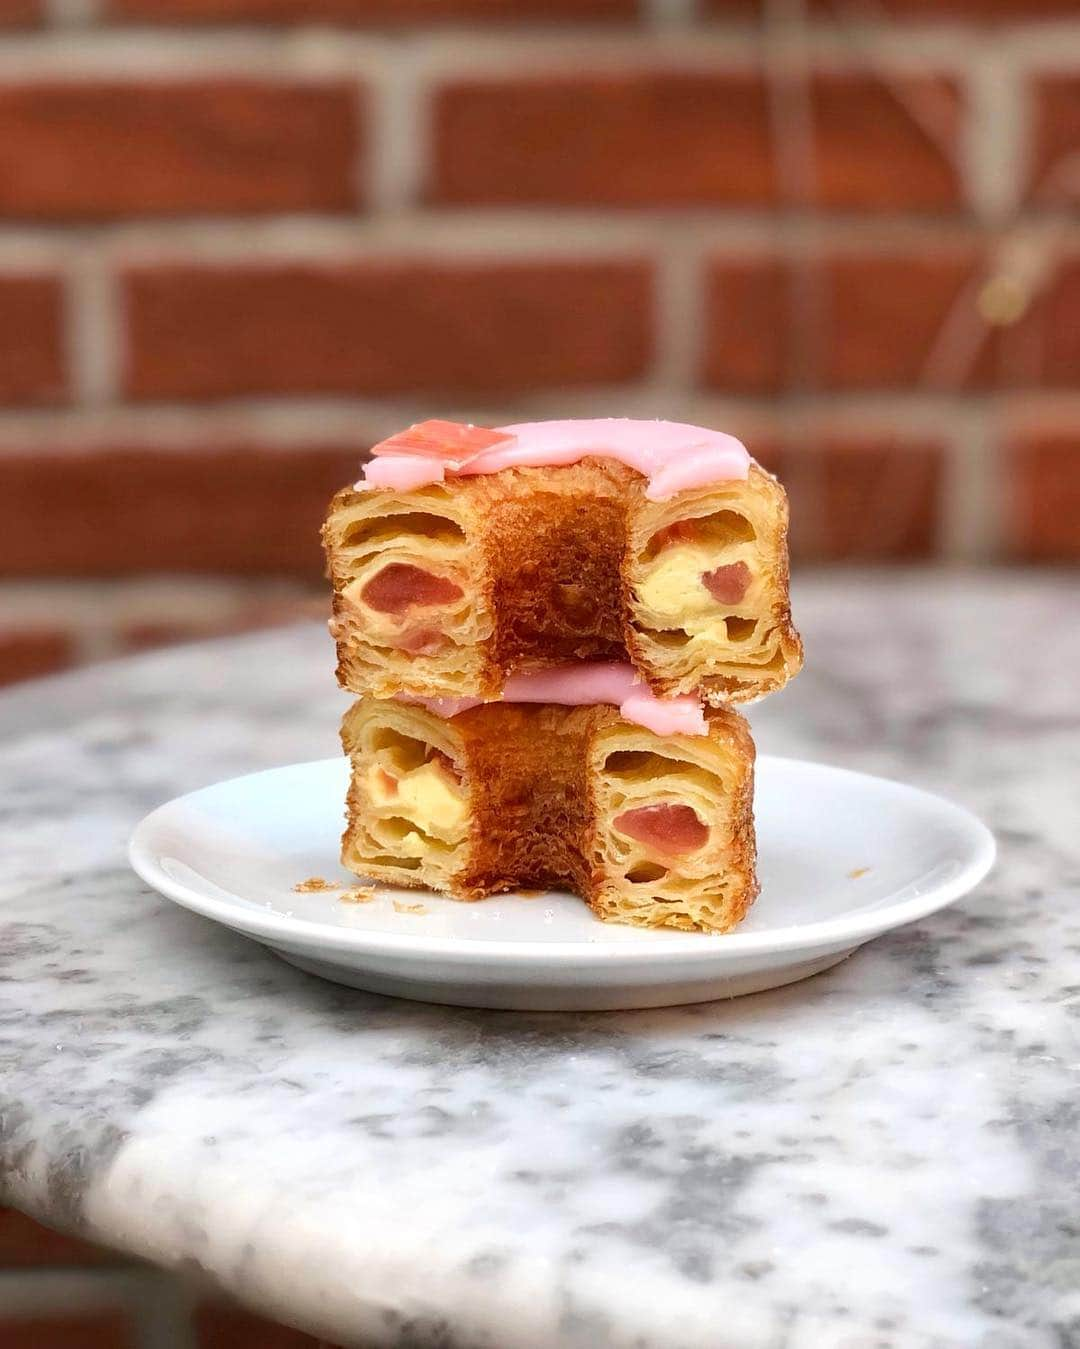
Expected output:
(674, 456)
(586, 684)
(402, 472)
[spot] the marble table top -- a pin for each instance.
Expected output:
(885, 1155)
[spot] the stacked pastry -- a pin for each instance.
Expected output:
(549, 627)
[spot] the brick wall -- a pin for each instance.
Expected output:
(59, 1293)
(241, 239)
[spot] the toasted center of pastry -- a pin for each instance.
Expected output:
(664, 828)
(399, 586)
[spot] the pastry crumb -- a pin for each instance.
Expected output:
(399, 907)
(314, 884)
(530, 894)
(859, 871)
(358, 894)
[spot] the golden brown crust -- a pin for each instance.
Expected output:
(554, 566)
(542, 786)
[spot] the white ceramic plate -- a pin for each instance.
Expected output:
(842, 858)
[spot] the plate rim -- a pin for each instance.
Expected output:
(853, 931)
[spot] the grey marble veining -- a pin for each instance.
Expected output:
(884, 1156)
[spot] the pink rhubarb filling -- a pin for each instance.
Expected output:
(586, 684)
(727, 584)
(400, 586)
(665, 828)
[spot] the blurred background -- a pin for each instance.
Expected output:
(240, 240)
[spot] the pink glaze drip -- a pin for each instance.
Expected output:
(402, 472)
(674, 456)
(584, 685)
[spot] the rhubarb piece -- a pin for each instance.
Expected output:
(456, 443)
(682, 531)
(401, 586)
(422, 642)
(727, 585)
(666, 828)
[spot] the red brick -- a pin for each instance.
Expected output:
(92, 1331)
(901, 319)
(385, 327)
(1055, 114)
(144, 636)
(873, 499)
(23, 1241)
(913, 319)
(219, 1326)
(883, 313)
(1044, 500)
(19, 13)
(626, 138)
(748, 325)
(976, 11)
(667, 137)
(1042, 347)
(31, 339)
(167, 632)
(870, 152)
(27, 655)
(872, 317)
(140, 508)
(97, 151)
(1046, 345)
(389, 12)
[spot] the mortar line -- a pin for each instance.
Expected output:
(994, 149)
(93, 327)
(140, 52)
(522, 235)
(680, 313)
(400, 134)
(672, 14)
(973, 508)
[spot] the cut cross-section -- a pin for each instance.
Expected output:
(451, 588)
(651, 830)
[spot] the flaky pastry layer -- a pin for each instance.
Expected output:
(448, 589)
(648, 830)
